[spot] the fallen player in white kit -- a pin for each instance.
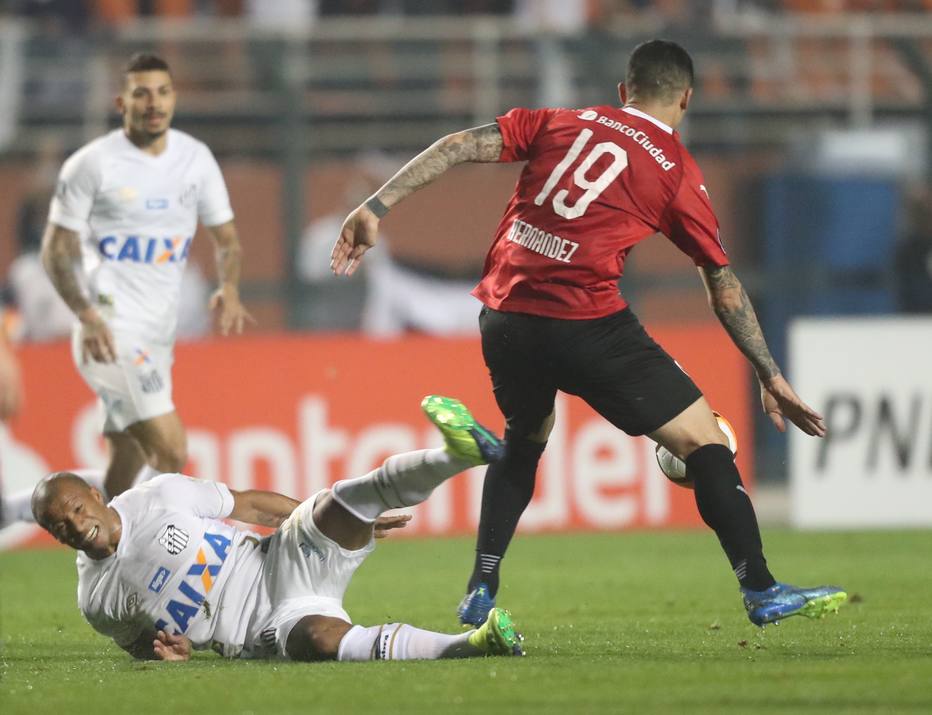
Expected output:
(161, 575)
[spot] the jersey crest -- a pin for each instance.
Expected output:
(174, 540)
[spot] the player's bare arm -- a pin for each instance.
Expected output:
(264, 508)
(732, 306)
(479, 144)
(256, 506)
(11, 385)
(61, 253)
(233, 316)
(159, 645)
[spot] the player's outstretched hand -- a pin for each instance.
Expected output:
(96, 339)
(233, 316)
(781, 401)
(171, 647)
(358, 235)
(385, 523)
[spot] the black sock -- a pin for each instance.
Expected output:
(509, 486)
(726, 508)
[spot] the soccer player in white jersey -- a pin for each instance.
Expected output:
(128, 204)
(161, 574)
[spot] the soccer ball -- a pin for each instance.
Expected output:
(673, 467)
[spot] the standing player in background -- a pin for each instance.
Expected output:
(596, 182)
(120, 228)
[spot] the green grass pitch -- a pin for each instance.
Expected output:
(635, 622)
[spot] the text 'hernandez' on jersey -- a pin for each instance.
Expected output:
(596, 182)
(137, 215)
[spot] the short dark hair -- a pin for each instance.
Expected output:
(145, 62)
(659, 69)
(47, 488)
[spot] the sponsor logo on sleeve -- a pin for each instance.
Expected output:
(160, 579)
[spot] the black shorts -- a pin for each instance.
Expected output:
(611, 363)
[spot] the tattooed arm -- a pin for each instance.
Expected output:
(731, 304)
(358, 235)
(233, 316)
(61, 254)
(481, 144)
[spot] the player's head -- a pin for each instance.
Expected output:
(147, 98)
(659, 72)
(74, 513)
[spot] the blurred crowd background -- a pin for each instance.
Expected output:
(811, 120)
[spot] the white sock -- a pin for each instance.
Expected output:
(399, 641)
(403, 480)
(18, 506)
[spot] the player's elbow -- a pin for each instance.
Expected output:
(725, 302)
(53, 246)
(228, 244)
(59, 248)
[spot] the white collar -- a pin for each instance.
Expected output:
(653, 120)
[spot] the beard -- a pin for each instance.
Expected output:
(142, 135)
(153, 135)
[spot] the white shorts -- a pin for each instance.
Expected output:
(304, 574)
(138, 386)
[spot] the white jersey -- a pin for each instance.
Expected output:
(137, 214)
(176, 568)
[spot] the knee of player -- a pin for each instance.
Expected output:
(169, 457)
(536, 434)
(713, 435)
(316, 638)
(542, 434)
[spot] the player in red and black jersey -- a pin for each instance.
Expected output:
(597, 181)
